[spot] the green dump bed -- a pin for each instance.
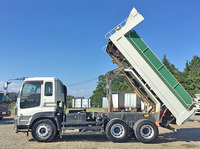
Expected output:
(150, 68)
(159, 68)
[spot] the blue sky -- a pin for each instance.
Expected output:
(64, 39)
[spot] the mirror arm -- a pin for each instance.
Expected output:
(5, 86)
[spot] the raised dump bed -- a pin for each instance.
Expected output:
(159, 68)
(143, 62)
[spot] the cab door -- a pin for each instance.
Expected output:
(30, 101)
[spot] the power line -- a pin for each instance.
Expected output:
(83, 82)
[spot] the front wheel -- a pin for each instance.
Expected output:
(145, 131)
(44, 130)
(117, 130)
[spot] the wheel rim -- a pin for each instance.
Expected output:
(117, 130)
(43, 131)
(147, 131)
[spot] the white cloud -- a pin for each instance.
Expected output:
(1, 85)
(80, 92)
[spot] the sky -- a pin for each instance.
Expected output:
(64, 38)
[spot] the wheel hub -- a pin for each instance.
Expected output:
(117, 130)
(147, 131)
(43, 130)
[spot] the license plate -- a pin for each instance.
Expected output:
(3, 113)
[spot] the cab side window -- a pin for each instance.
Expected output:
(48, 89)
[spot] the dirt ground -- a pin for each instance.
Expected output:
(187, 136)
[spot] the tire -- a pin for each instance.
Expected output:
(1, 118)
(44, 130)
(145, 131)
(117, 131)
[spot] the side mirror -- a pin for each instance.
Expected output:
(5, 86)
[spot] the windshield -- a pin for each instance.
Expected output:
(4, 99)
(1, 98)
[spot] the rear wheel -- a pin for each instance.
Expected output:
(44, 130)
(145, 131)
(117, 130)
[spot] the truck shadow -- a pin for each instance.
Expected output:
(7, 121)
(183, 134)
(91, 138)
(70, 138)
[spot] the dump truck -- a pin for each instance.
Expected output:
(40, 107)
(4, 106)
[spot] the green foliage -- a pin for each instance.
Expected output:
(174, 71)
(13, 96)
(69, 101)
(118, 85)
(100, 92)
(190, 77)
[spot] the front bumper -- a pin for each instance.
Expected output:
(15, 125)
(4, 114)
(20, 128)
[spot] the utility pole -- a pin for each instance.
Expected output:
(112, 74)
(109, 93)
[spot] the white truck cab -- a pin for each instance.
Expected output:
(38, 97)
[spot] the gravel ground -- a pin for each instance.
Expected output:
(187, 136)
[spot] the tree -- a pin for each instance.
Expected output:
(174, 71)
(69, 101)
(118, 85)
(13, 96)
(165, 61)
(190, 78)
(99, 92)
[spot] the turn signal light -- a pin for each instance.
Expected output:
(146, 115)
